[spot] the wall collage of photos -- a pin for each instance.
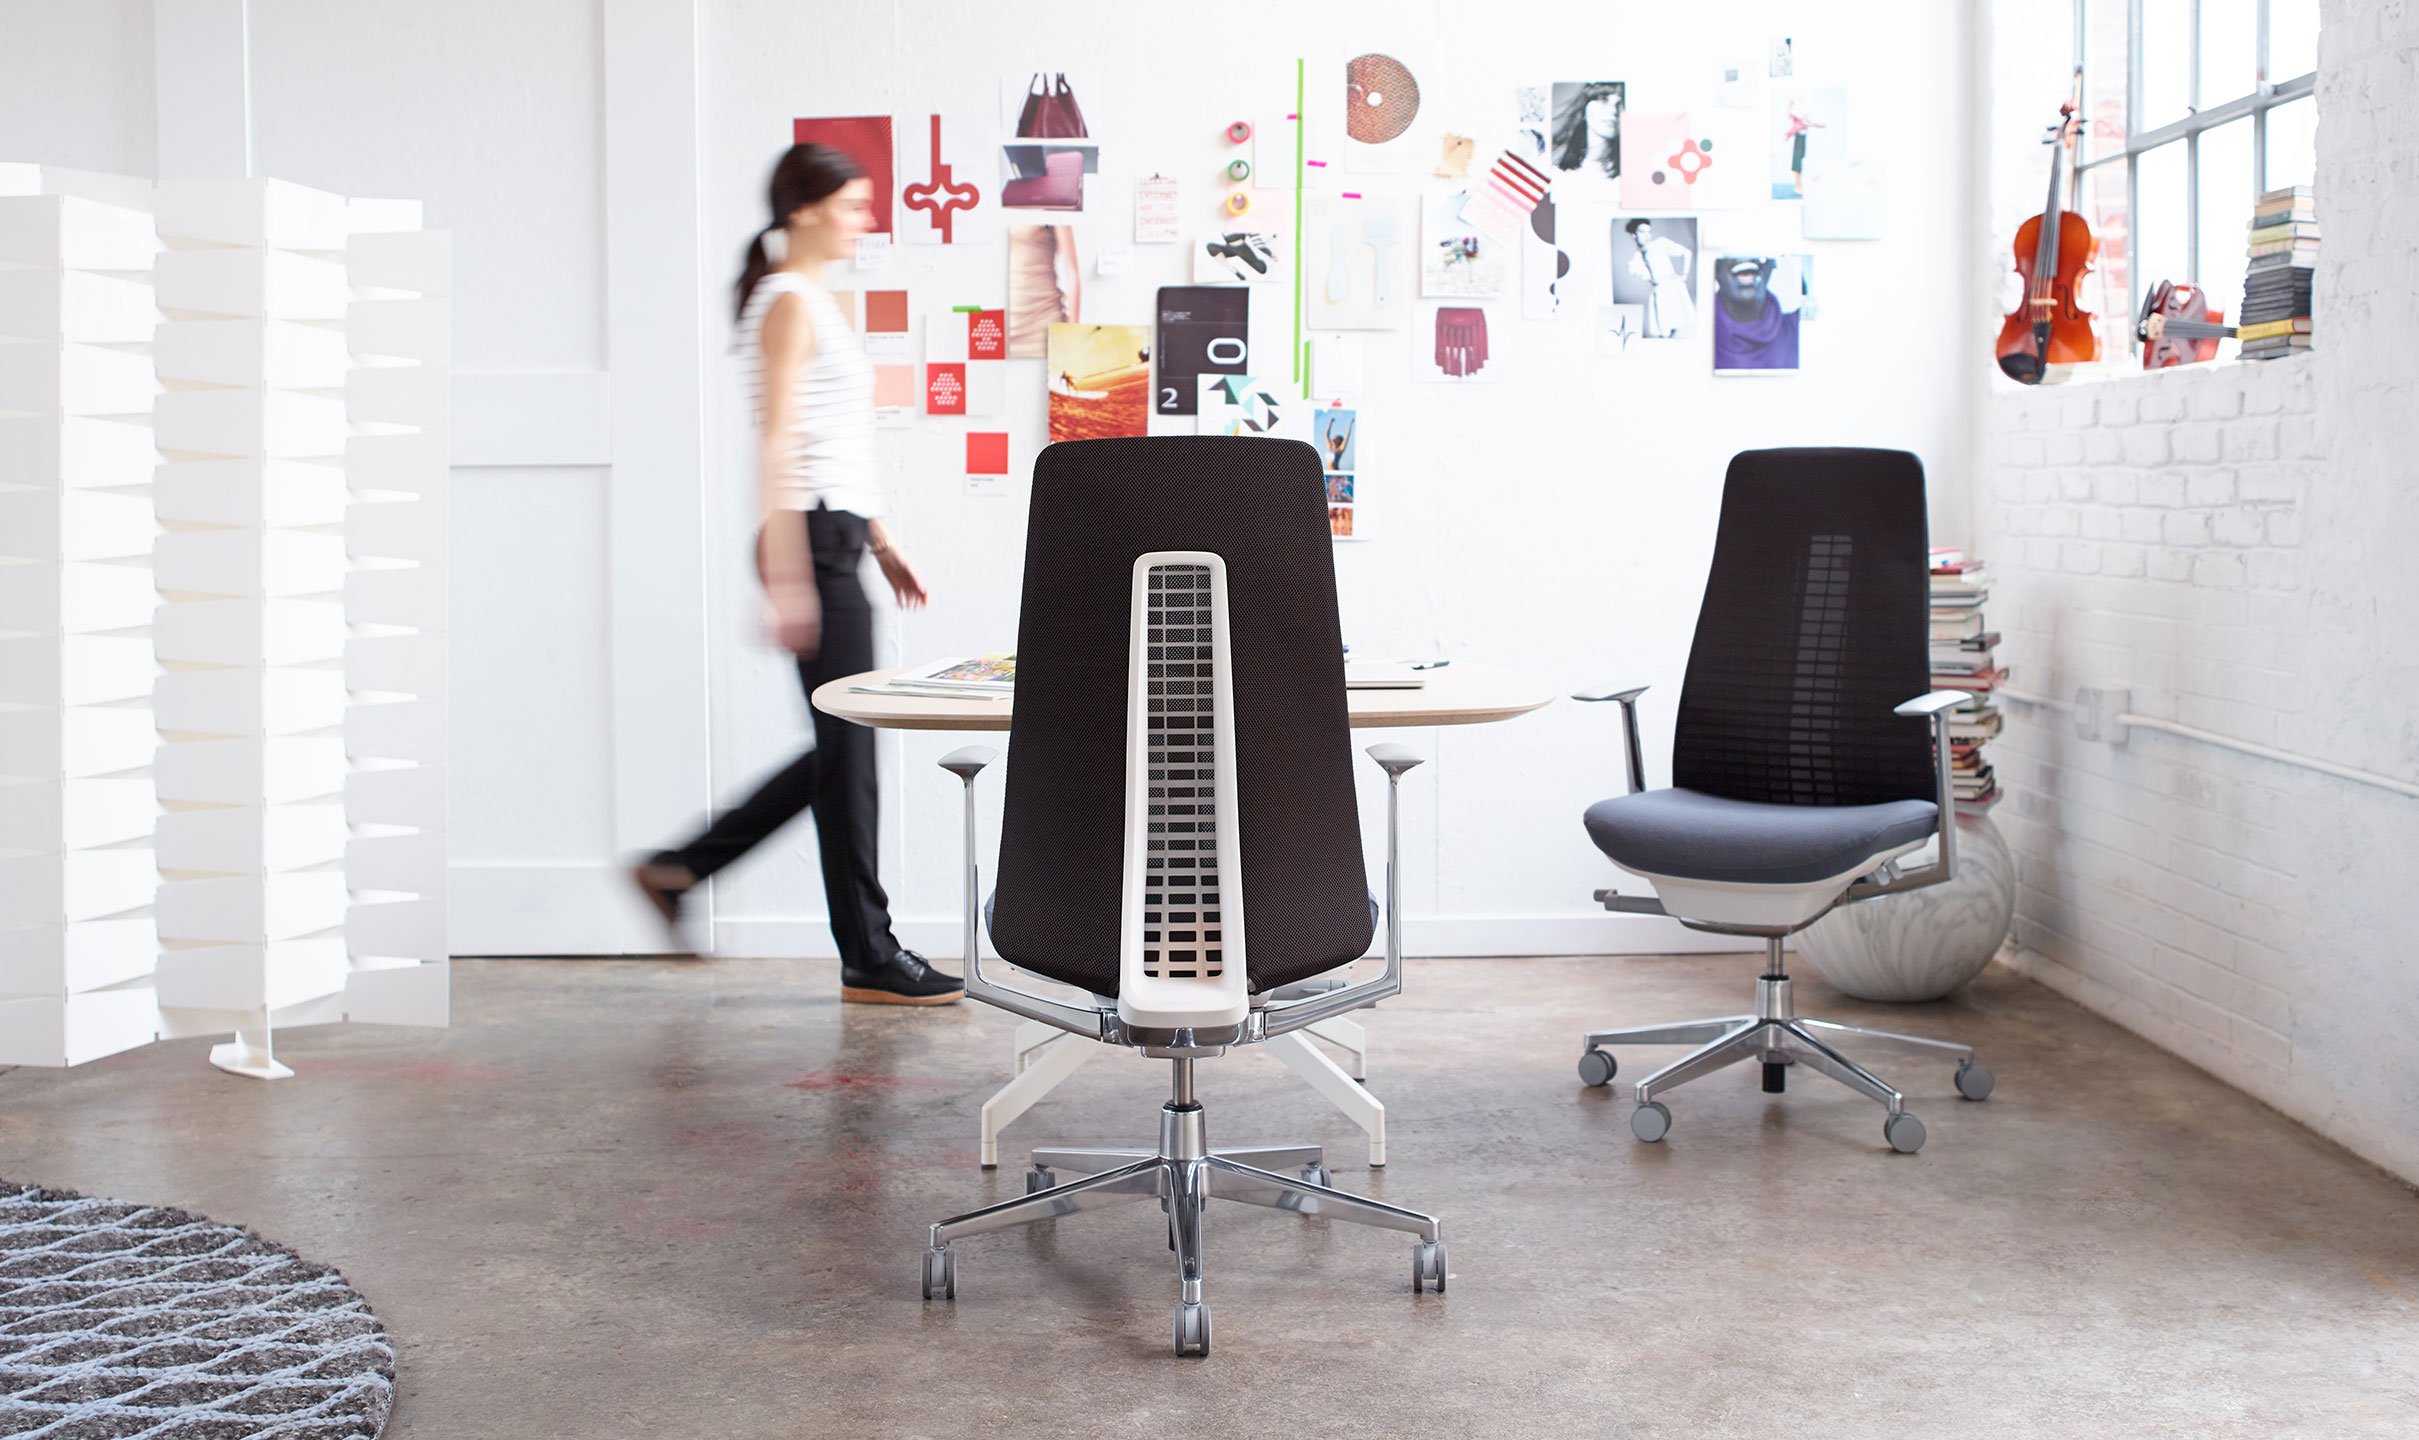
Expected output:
(1355, 212)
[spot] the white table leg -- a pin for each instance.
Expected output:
(1340, 1089)
(1348, 1036)
(1041, 1074)
(1031, 1035)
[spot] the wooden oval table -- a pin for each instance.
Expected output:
(1461, 693)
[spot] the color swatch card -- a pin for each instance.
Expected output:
(887, 329)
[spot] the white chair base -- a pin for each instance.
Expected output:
(1046, 1055)
(1184, 1174)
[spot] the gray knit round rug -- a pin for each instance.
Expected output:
(121, 1320)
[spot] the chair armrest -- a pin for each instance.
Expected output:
(1932, 704)
(967, 765)
(1278, 1017)
(1628, 701)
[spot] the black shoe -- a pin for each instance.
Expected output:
(654, 881)
(904, 980)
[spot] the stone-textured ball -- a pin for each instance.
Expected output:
(1925, 943)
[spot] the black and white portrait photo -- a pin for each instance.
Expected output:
(1585, 135)
(1655, 267)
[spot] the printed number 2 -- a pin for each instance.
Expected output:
(1167, 399)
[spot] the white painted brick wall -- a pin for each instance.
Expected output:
(2239, 546)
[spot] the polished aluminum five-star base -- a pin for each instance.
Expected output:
(1184, 1175)
(1777, 1036)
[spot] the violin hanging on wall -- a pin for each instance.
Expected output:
(2177, 326)
(2053, 250)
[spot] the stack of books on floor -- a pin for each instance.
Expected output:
(2276, 291)
(1964, 657)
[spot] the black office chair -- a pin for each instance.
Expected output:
(1180, 839)
(1801, 769)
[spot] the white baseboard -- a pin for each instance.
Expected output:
(590, 909)
(1440, 936)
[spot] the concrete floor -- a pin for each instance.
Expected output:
(623, 1199)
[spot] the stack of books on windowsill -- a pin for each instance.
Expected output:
(2276, 290)
(1965, 657)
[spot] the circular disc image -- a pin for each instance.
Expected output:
(1380, 99)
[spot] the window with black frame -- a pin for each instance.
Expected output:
(2194, 109)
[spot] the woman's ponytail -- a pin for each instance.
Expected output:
(804, 175)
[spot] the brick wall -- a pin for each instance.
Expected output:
(2236, 545)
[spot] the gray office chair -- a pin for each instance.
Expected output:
(1801, 768)
(1180, 840)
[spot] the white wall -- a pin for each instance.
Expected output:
(2233, 544)
(1560, 523)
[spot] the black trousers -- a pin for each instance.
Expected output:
(836, 778)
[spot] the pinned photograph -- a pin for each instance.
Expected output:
(1451, 343)
(1331, 432)
(865, 139)
(1051, 147)
(1240, 257)
(1045, 286)
(1458, 259)
(1100, 381)
(1655, 269)
(1584, 141)
(1760, 303)
(1809, 123)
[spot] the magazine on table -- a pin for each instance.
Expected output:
(961, 677)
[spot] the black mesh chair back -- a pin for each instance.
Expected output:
(1815, 624)
(1261, 505)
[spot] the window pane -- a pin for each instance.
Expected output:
(2108, 289)
(2103, 77)
(2226, 200)
(2229, 64)
(2161, 219)
(2166, 63)
(2292, 144)
(2292, 38)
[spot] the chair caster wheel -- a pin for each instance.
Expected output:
(1597, 1068)
(1904, 1132)
(940, 1273)
(1192, 1328)
(1315, 1173)
(1974, 1079)
(1776, 1078)
(1650, 1122)
(1428, 1266)
(1039, 1179)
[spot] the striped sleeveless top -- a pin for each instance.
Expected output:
(831, 404)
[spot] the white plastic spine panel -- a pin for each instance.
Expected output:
(399, 326)
(251, 565)
(77, 806)
(1182, 954)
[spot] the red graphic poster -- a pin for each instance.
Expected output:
(864, 139)
(987, 335)
(945, 388)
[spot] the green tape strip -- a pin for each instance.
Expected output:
(1301, 123)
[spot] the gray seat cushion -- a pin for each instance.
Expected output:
(1695, 836)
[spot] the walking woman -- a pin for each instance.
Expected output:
(811, 389)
